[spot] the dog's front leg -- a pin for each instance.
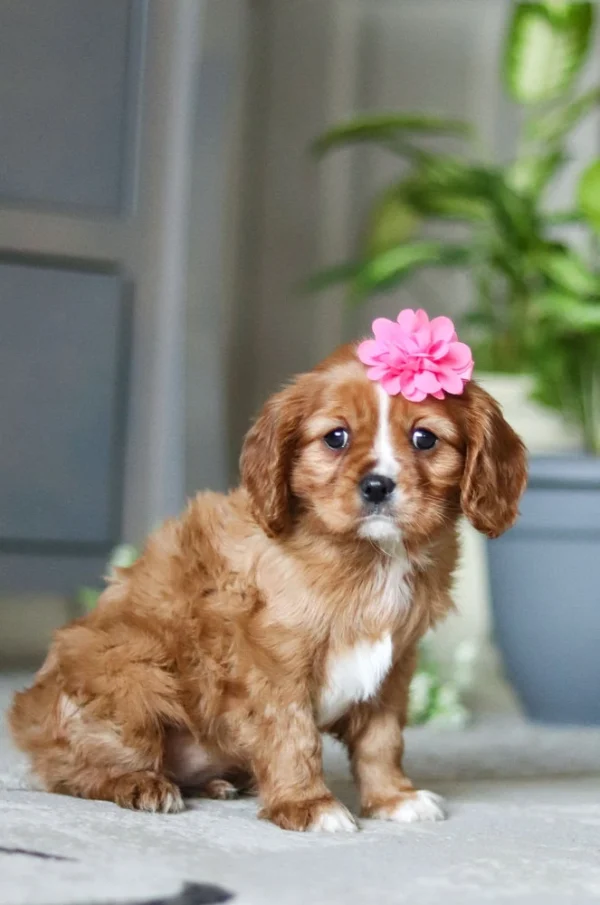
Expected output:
(287, 762)
(373, 734)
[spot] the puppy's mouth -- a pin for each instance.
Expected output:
(379, 525)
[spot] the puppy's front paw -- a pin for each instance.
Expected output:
(411, 807)
(318, 815)
(334, 818)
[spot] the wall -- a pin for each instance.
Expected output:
(315, 63)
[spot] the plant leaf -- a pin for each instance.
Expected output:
(558, 218)
(391, 222)
(88, 597)
(588, 194)
(567, 270)
(554, 125)
(515, 215)
(123, 556)
(455, 174)
(449, 187)
(529, 175)
(545, 49)
(391, 267)
(387, 127)
(447, 205)
(566, 311)
(475, 192)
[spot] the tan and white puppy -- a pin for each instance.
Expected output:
(289, 607)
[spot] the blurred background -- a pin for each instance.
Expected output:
(163, 205)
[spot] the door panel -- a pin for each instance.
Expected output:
(58, 573)
(64, 93)
(97, 104)
(61, 353)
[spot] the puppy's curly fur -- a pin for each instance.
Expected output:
(290, 606)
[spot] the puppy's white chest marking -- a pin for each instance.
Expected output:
(354, 675)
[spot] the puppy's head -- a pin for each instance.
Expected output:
(335, 449)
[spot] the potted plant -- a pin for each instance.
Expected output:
(535, 312)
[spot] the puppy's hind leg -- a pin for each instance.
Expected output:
(75, 753)
(108, 745)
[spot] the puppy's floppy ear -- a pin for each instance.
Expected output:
(266, 461)
(495, 472)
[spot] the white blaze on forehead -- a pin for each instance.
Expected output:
(385, 460)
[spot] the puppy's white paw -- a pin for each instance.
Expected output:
(417, 806)
(319, 815)
(333, 818)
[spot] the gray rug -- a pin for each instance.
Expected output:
(524, 827)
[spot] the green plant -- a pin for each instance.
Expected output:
(122, 556)
(537, 301)
(439, 699)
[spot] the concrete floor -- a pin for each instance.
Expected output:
(524, 827)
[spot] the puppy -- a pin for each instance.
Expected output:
(292, 606)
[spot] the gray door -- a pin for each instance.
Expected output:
(94, 156)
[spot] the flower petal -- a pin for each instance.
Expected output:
(414, 394)
(450, 381)
(391, 384)
(384, 330)
(409, 388)
(395, 356)
(407, 320)
(369, 351)
(422, 333)
(467, 372)
(458, 355)
(422, 319)
(378, 371)
(422, 338)
(427, 382)
(442, 330)
(411, 344)
(438, 349)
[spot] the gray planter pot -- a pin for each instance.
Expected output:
(545, 583)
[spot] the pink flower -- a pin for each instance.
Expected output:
(417, 357)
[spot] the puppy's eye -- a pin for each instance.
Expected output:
(423, 439)
(337, 439)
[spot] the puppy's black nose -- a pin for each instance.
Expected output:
(375, 488)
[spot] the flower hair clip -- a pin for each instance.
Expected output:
(417, 357)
